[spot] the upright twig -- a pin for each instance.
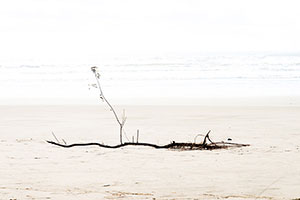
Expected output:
(206, 137)
(137, 135)
(121, 124)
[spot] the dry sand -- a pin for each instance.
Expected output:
(32, 169)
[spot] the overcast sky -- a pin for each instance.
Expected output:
(84, 28)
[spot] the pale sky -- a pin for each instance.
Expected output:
(85, 28)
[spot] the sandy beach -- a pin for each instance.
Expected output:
(32, 169)
(179, 69)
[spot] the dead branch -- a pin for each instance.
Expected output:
(173, 145)
(207, 143)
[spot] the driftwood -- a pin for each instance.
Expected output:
(173, 145)
(121, 121)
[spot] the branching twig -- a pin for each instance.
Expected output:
(121, 124)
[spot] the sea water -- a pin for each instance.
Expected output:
(154, 77)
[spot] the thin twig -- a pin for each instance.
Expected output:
(125, 135)
(97, 76)
(195, 138)
(55, 137)
(206, 136)
(265, 189)
(64, 141)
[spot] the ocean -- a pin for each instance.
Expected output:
(153, 77)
